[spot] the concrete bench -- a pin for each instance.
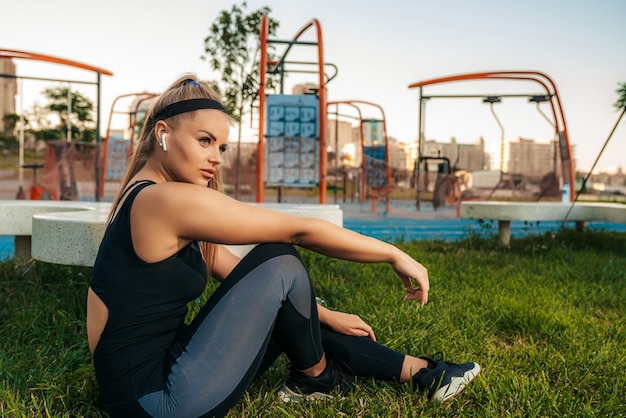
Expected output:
(16, 218)
(505, 212)
(69, 233)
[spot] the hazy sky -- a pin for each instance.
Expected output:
(379, 47)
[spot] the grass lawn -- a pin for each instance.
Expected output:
(545, 318)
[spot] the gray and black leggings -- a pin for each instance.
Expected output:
(264, 307)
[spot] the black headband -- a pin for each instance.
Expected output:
(188, 106)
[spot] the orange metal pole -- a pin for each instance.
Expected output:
(363, 172)
(322, 106)
(260, 170)
(105, 148)
(387, 163)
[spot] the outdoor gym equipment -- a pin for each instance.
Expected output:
(306, 133)
(372, 163)
(551, 96)
(38, 191)
(15, 54)
(117, 153)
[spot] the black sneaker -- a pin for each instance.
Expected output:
(442, 380)
(302, 387)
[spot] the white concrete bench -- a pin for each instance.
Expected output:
(69, 233)
(16, 218)
(505, 212)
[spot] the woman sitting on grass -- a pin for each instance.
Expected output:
(166, 235)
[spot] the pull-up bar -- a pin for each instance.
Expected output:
(551, 96)
(279, 68)
(480, 96)
(279, 41)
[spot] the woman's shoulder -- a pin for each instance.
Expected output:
(176, 194)
(157, 188)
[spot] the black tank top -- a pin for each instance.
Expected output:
(147, 304)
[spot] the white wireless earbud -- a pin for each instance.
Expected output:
(163, 144)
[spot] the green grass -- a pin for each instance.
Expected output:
(544, 318)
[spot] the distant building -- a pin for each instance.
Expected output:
(341, 133)
(398, 157)
(350, 147)
(468, 157)
(306, 88)
(522, 156)
(8, 90)
(612, 177)
(410, 150)
(531, 158)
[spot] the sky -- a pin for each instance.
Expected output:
(379, 49)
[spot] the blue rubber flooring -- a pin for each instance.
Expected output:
(402, 229)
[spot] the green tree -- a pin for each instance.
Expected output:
(39, 124)
(10, 123)
(621, 101)
(231, 48)
(80, 112)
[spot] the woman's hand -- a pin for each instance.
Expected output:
(414, 276)
(345, 323)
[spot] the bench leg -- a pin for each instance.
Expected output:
(504, 232)
(22, 247)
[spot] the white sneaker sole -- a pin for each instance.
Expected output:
(456, 385)
(287, 395)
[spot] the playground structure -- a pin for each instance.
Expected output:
(37, 191)
(292, 131)
(118, 151)
(294, 128)
(59, 164)
(293, 158)
(551, 96)
(375, 166)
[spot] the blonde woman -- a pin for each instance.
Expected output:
(166, 235)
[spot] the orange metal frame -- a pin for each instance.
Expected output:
(143, 96)
(354, 104)
(11, 53)
(542, 79)
(264, 31)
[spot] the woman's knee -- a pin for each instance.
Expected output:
(278, 266)
(278, 253)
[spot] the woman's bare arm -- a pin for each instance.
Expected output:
(194, 212)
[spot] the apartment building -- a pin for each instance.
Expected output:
(8, 91)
